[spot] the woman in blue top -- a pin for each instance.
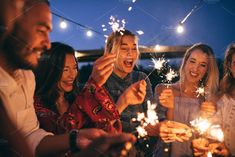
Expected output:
(125, 45)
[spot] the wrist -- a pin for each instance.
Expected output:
(73, 140)
(122, 103)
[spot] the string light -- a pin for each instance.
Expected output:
(180, 28)
(63, 24)
(65, 20)
(89, 33)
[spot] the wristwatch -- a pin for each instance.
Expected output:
(72, 140)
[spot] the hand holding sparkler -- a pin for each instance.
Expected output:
(208, 109)
(200, 147)
(103, 68)
(219, 149)
(166, 98)
(170, 131)
(133, 95)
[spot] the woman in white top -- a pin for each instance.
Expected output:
(180, 102)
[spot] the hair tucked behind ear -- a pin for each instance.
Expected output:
(227, 84)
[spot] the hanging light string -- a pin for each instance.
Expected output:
(78, 24)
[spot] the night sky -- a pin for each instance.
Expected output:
(213, 22)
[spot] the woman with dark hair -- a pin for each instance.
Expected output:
(58, 104)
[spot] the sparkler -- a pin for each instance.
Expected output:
(209, 154)
(117, 25)
(200, 91)
(216, 133)
(201, 125)
(170, 75)
(158, 65)
(150, 118)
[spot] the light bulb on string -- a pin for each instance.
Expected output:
(63, 24)
(180, 28)
(89, 33)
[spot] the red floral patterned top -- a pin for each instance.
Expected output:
(93, 107)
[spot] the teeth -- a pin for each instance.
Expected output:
(193, 74)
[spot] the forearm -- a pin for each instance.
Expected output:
(170, 114)
(121, 104)
(51, 145)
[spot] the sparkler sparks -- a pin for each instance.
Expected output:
(117, 25)
(140, 32)
(170, 75)
(209, 154)
(158, 64)
(216, 133)
(200, 91)
(151, 118)
(201, 125)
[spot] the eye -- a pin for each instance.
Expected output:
(203, 65)
(192, 61)
(124, 48)
(65, 70)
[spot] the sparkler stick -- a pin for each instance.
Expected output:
(158, 65)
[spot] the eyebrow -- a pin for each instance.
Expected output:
(127, 44)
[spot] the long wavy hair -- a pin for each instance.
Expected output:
(49, 73)
(211, 78)
(227, 84)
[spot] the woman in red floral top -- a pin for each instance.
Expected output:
(58, 105)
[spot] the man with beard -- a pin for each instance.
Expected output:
(19, 54)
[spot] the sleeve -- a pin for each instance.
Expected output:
(98, 105)
(161, 110)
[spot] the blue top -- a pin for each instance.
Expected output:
(116, 86)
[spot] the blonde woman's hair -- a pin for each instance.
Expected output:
(227, 84)
(211, 78)
(115, 39)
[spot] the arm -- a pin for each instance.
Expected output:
(98, 105)
(19, 146)
(133, 95)
(166, 99)
(54, 145)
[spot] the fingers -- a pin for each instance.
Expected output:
(173, 131)
(166, 98)
(105, 60)
(208, 107)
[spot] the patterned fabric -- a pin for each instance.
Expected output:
(92, 108)
(226, 116)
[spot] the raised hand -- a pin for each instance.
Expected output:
(103, 68)
(208, 108)
(133, 95)
(166, 98)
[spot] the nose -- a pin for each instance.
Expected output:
(47, 42)
(129, 52)
(196, 67)
(73, 73)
